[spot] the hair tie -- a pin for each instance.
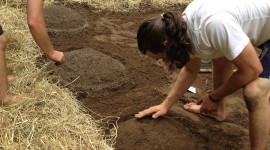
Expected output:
(162, 15)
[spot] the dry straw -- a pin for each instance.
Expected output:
(47, 116)
(129, 5)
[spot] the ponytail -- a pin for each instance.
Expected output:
(179, 45)
(165, 27)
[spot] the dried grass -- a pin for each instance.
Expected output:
(111, 5)
(47, 116)
(130, 5)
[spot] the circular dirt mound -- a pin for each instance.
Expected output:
(89, 70)
(63, 19)
(65, 25)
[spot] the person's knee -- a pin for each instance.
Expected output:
(252, 94)
(251, 91)
(255, 94)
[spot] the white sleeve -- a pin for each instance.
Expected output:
(226, 35)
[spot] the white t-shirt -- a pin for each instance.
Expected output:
(224, 27)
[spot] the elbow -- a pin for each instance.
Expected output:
(249, 74)
(32, 23)
(257, 71)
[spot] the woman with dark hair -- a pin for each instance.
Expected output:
(226, 32)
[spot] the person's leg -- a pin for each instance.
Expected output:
(256, 95)
(265, 60)
(5, 98)
(257, 98)
(222, 70)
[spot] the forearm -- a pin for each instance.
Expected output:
(249, 68)
(37, 25)
(184, 80)
(41, 37)
(237, 81)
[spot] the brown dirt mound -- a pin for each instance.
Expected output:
(90, 70)
(58, 16)
(63, 22)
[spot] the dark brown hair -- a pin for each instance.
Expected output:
(168, 26)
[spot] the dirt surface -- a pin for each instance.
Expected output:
(110, 77)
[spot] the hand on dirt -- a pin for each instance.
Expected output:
(157, 111)
(57, 57)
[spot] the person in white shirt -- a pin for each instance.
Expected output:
(226, 32)
(38, 30)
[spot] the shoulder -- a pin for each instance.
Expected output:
(220, 22)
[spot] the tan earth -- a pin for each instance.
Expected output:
(105, 70)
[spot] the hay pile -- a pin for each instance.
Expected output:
(130, 5)
(47, 116)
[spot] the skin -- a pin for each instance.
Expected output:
(38, 30)
(11, 77)
(257, 98)
(5, 97)
(225, 82)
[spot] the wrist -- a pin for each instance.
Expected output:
(49, 52)
(213, 99)
(167, 103)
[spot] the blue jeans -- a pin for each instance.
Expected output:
(265, 59)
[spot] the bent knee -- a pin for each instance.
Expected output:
(252, 91)
(255, 94)
(251, 97)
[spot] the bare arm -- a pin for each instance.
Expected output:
(186, 77)
(248, 68)
(39, 32)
